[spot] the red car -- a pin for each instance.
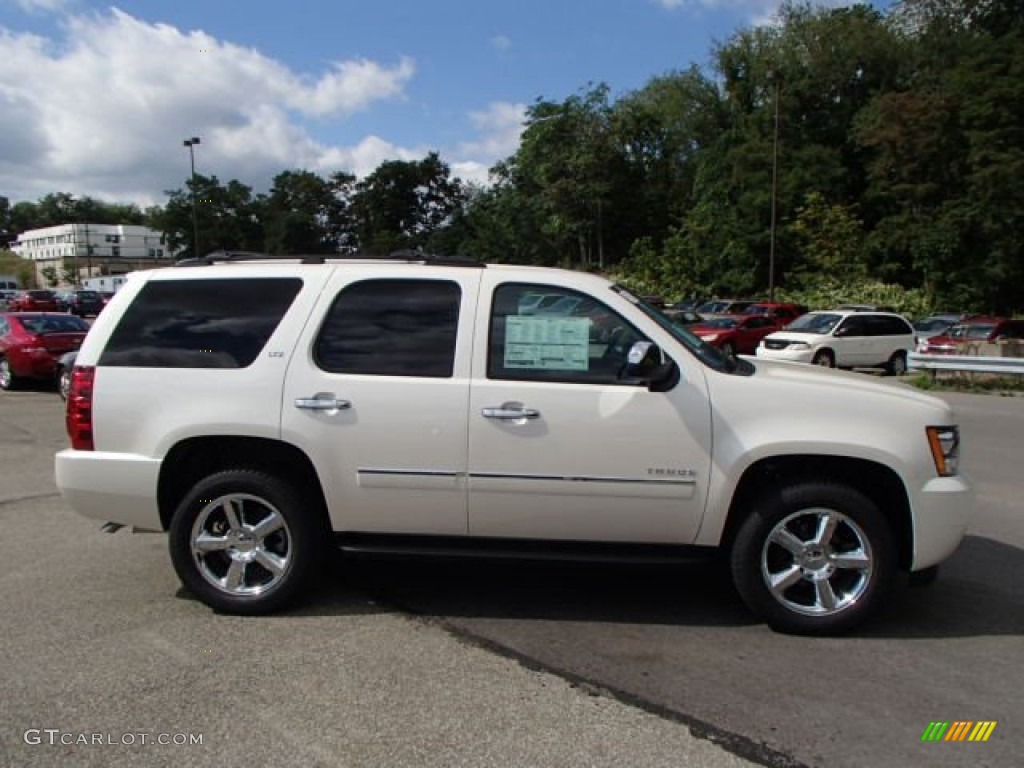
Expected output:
(736, 334)
(34, 301)
(32, 342)
(976, 329)
(784, 312)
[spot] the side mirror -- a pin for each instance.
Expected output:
(645, 367)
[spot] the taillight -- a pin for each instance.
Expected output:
(79, 407)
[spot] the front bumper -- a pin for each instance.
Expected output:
(789, 354)
(943, 510)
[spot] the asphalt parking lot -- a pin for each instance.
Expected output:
(452, 664)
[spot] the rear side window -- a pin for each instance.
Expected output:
(391, 328)
(210, 323)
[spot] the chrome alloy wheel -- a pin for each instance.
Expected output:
(241, 544)
(817, 562)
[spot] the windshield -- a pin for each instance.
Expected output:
(707, 354)
(932, 325)
(815, 322)
(41, 324)
(976, 331)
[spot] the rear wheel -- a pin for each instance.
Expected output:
(63, 382)
(246, 542)
(816, 559)
(8, 380)
(824, 358)
(897, 365)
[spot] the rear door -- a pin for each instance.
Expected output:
(377, 393)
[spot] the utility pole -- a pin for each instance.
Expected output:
(191, 144)
(776, 79)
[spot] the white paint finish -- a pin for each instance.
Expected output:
(405, 428)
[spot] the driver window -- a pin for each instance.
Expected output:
(544, 333)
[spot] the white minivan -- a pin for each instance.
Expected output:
(844, 339)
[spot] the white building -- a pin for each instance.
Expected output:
(93, 249)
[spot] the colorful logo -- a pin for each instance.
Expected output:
(959, 730)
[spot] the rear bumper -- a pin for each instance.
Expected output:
(110, 487)
(944, 509)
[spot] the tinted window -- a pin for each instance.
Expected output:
(853, 326)
(213, 323)
(889, 326)
(391, 328)
(43, 324)
(585, 342)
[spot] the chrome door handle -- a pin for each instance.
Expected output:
(321, 404)
(510, 412)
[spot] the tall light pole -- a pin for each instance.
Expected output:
(777, 81)
(191, 143)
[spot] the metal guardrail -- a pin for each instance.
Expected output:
(1007, 366)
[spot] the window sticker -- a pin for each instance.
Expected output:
(547, 343)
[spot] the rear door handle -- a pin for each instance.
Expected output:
(510, 412)
(321, 404)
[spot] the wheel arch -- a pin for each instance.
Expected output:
(878, 482)
(197, 457)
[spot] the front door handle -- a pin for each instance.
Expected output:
(319, 403)
(510, 412)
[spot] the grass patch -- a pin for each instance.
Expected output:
(977, 383)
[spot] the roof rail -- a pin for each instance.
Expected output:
(417, 257)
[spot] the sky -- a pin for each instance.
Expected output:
(97, 99)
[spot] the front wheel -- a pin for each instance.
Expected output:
(824, 358)
(246, 542)
(815, 559)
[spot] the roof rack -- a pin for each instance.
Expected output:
(409, 256)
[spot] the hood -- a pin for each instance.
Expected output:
(802, 380)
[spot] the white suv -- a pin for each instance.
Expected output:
(844, 339)
(259, 411)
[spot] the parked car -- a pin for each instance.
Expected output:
(784, 312)
(935, 325)
(32, 342)
(976, 329)
(844, 339)
(683, 317)
(263, 411)
(63, 373)
(736, 334)
(6, 294)
(866, 308)
(84, 303)
(723, 307)
(35, 300)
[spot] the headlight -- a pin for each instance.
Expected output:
(945, 446)
(709, 336)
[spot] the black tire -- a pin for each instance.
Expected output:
(852, 567)
(244, 570)
(923, 578)
(63, 382)
(897, 365)
(8, 380)
(824, 358)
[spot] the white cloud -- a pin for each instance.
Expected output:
(501, 43)
(104, 111)
(500, 126)
(34, 6)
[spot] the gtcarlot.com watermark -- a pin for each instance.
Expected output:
(55, 737)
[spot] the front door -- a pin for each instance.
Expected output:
(560, 447)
